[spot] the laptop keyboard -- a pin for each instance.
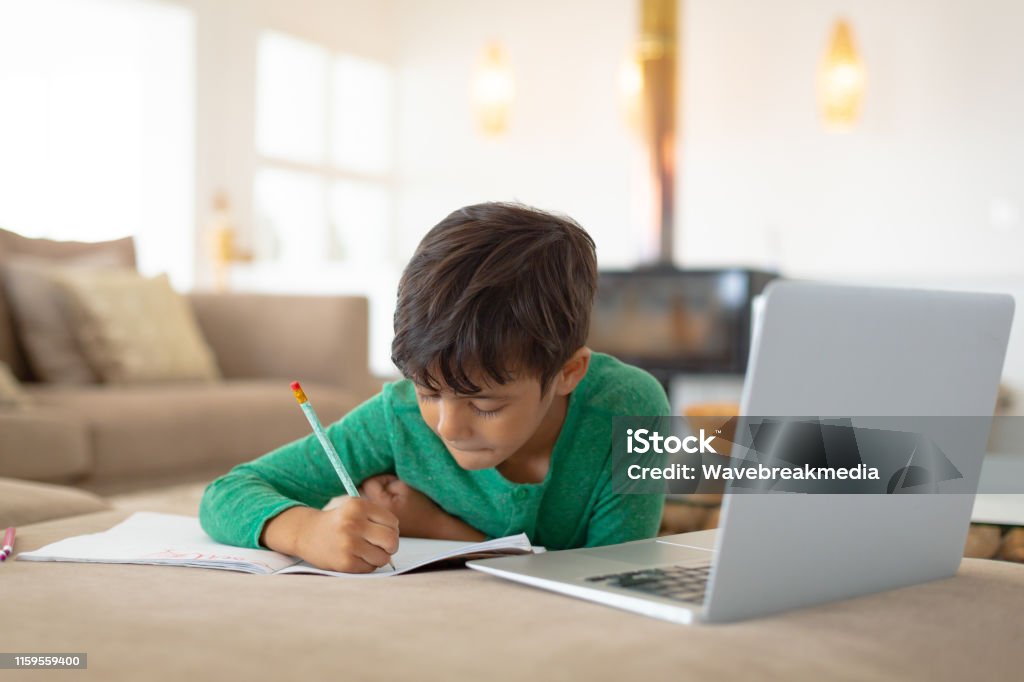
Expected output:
(681, 583)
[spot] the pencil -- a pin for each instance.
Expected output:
(8, 547)
(332, 454)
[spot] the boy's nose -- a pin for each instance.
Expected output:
(451, 425)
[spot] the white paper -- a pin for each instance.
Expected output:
(176, 540)
(162, 539)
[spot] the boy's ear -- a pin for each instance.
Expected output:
(573, 371)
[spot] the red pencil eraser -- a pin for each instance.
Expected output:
(295, 386)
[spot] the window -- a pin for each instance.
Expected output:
(96, 125)
(323, 136)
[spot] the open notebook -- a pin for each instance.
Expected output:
(175, 540)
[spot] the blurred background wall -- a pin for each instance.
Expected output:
(338, 132)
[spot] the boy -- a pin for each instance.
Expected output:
(503, 424)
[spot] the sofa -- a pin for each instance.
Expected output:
(175, 623)
(118, 439)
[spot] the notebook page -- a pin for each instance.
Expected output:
(417, 552)
(160, 539)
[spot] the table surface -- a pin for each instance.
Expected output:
(156, 623)
(1002, 480)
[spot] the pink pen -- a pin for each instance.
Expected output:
(8, 547)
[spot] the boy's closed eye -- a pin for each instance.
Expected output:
(487, 407)
(480, 411)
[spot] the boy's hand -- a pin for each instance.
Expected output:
(415, 511)
(357, 536)
(418, 515)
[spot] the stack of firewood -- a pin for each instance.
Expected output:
(995, 542)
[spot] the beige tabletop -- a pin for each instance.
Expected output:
(172, 623)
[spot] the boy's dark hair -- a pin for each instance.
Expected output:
(495, 288)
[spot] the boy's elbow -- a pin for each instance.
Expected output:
(209, 512)
(642, 522)
(205, 515)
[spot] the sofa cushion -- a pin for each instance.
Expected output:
(23, 502)
(11, 244)
(183, 498)
(136, 329)
(134, 622)
(43, 444)
(43, 325)
(144, 431)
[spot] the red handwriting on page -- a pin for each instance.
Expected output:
(202, 556)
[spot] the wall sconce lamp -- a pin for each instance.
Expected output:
(841, 80)
(493, 90)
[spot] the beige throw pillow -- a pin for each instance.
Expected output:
(117, 253)
(39, 307)
(135, 329)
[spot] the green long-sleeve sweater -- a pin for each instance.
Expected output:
(573, 507)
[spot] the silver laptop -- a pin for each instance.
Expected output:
(817, 349)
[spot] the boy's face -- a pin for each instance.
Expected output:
(483, 430)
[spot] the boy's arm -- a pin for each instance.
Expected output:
(236, 506)
(418, 515)
(636, 516)
(623, 517)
